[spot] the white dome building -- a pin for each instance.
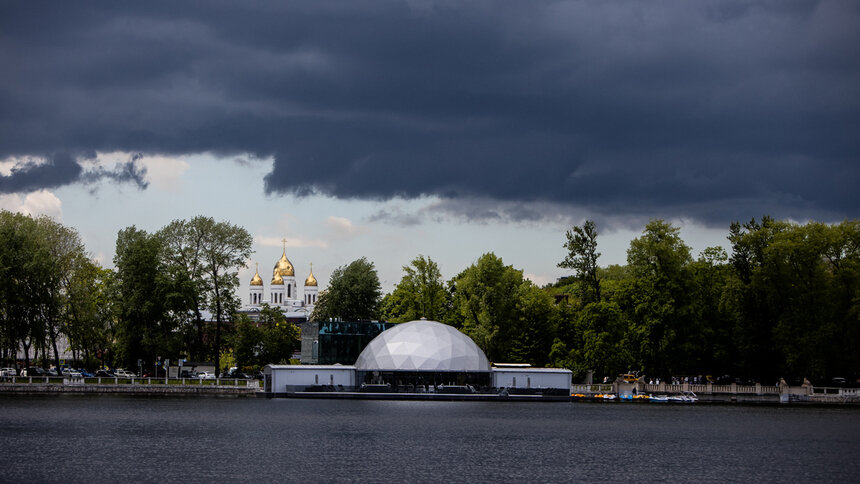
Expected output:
(423, 355)
(422, 346)
(422, 360)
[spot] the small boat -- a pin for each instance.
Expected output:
(686, 397)
(658, 398)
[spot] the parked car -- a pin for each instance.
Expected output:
(104, 373)
(206, 375)
(71, 373)
(236, 374)
(52, 372)
(34, 371)
(85, 373)
(123, 373)
(8, 372)
(186, 374)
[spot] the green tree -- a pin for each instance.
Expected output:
(353, 293)
(225, 249)
(144, 328)
(582, 258)
(746, 298)
(247, 342)
(657, 302)
(89, 325)
(182, 259)
(484, 305)
(603, 346)
(271, 339)
(202, 258)
(708, 334)
(807, 281)
(61, 253)
(420, 293)
(537, 318)
(19, 276)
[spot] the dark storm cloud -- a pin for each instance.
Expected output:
(129, 172)
(64, 168)
(60, 169)
(714, 111)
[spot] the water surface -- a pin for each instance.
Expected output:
(113, 438)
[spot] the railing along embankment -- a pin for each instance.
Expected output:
(219, 386)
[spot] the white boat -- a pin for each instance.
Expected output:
(686, 397)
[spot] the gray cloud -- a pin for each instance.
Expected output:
(128, 172)
(60, 169)
(63, 169)
(715, 112)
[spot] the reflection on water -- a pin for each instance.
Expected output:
(76, 438)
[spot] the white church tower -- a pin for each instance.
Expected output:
(311, 289)
(257, 288)
(276, 294)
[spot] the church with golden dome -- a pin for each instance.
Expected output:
(284, 291)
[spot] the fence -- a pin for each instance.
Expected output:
(708, 389)
(591, 388)
(61, 380)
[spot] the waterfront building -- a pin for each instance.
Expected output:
(337, 342)
(417, 357)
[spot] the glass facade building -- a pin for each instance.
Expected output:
(333, 342)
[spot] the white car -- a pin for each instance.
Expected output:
(206, 375)
(8, 372)
(123, 373)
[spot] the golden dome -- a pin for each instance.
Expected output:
(257, 280)
(284, 267)
(311, 280)
(277, 280)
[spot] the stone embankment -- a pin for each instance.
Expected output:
(757, 393)
(151, 387)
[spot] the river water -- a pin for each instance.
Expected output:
(114, 438)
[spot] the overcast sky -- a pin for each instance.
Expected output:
(450, 129)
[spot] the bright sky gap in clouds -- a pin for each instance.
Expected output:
(390, 129)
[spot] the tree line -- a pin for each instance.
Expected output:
(171, 295)
(783, 301)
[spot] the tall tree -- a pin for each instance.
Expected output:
(89, 312)
(658, 301)
(537, 318)
(18, 277)
(143, 325)
(62, 253)
(420, 293)
(225, 249)
(202, 257)
(754, 314)
(485, 305)
(182, 257)
(582, 258)
(353, 293)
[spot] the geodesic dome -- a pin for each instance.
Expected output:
(422, 346)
